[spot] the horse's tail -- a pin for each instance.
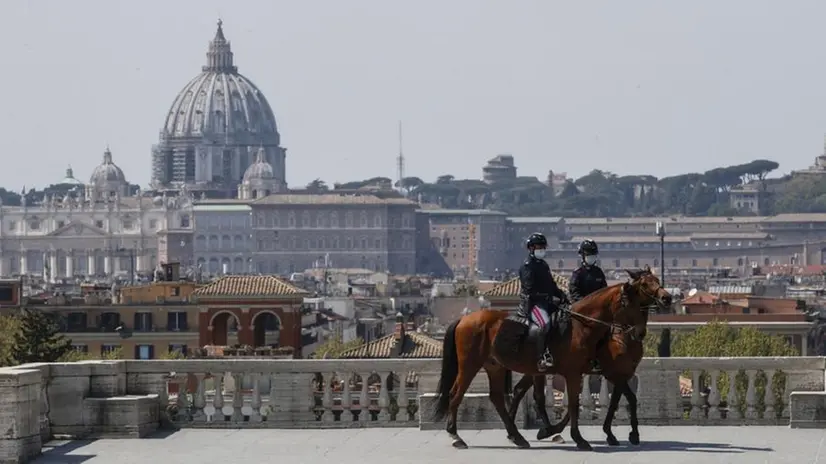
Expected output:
(450, 370)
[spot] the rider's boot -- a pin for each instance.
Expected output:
(546, 360)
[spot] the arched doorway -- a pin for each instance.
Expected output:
(267, 329)
(225, 326)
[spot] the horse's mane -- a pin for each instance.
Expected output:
(601, 292)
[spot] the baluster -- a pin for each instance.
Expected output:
(327, 398)
(364, 400)
(346, 401)
(751, 396)
(384, 398)
(199, 399)
(769, 412)
(182, 402)
(787, 391)
(696, 398)
(714, 396)
(604, 398)
(255, 401)
(401, 399)
(587, 401)
(218, 398)
(272, 402)
(733, 410)
(237, 398)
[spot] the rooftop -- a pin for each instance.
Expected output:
(329, 199)
(415, 345)
(248, 286)
(675, 445)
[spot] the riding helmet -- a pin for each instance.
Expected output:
(588, 247)
(536, 240)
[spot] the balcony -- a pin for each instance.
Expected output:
(134, 398)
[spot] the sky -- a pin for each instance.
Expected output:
(632, 87)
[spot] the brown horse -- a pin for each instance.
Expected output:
(469, 345)
(619, 357)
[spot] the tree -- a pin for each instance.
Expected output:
(334, 347)
(39, 339)
(9, 326)
(317, 185)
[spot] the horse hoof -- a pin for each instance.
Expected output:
(584, 446)
(558, 439)
(634, 438)
(459, 444)
(543, 433)
(612, 440)
(520, 442)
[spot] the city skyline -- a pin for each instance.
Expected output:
(701, 91)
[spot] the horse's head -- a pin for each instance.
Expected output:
(643, 290)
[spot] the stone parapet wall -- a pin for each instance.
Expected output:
(131, 398)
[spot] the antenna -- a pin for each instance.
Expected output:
(400, 161)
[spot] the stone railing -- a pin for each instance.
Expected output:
(133, 398)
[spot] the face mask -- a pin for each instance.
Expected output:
(590, 260)
(539, 254)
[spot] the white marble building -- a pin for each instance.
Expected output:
(96, 229)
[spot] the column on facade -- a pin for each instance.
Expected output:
(4, 268)
(107, 265)
(24, 262)
(90, 262)
(70, 263)
(53, 265)
(140, 262)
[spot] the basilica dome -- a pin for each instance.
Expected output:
(219, 100)
(107, 171)
(260, 169)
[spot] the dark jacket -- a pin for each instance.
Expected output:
(584, 281)
(537, 286)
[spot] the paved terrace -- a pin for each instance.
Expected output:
(672, 445)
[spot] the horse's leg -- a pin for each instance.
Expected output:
(548, 429)
(519, 391)
(634, 436)
(457, 394)
(574, 383)
(616, 394)
(497, 376)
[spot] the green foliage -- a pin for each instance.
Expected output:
(173, 354)
(75, 356)
(718, 339)
(38, 339)
(9, 326)
(334, 347)
(113, 355)
(599, 193)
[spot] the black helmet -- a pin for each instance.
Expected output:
(588, 247)
(536, 240)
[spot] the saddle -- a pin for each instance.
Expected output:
(517, 330)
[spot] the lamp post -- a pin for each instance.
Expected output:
(664, 350)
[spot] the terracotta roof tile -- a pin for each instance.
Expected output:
(416, 345)
(255, 286)
(510, 288)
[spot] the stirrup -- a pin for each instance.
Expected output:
(546, 361)
(596, 368)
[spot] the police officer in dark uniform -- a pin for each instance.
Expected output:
(588, 277)
(537, 286)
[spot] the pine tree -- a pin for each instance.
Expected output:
(39, 339)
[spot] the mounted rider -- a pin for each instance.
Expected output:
(537, 287)
(588, 277)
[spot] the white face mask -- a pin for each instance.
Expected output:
(539, 254)
(590, 260)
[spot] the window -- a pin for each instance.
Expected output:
(291, 220)
(715, 262)
(12, 225)
(34, 224)
(184, 221)
(637, 263)
(305, 220)
(153, 224)
(766, 262)
(143, 322)
(127, 224)
(378, 244)
(107, 349)
(377, 222)
(60, 224)
(675, 262)
(99, 224)
(81, 348)
(178, 348)
(364, 220)
(560, 264)
(617, 263)
(76, 322)
(693, 263)
(364, 242)
(144, 351)
(348, 220)
(334, 219)
(109, 321)
(739, 261)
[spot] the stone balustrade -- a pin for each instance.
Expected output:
(132, 398)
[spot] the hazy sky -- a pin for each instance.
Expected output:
(658, 87)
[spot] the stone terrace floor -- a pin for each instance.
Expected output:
(671, 445)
